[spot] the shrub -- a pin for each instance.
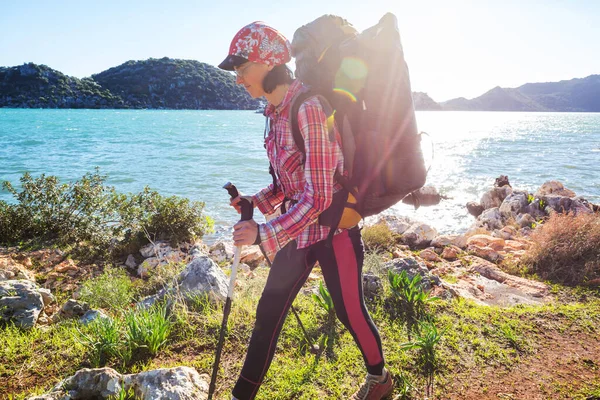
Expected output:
(93, 218)
(377, 237)
(566, 249)
(113, 289)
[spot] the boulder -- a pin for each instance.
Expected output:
(200, 276)
(425, 196)
(99, 383)
(563, 204)
(534, 209)
(429, 254)
(443, 240)
(502, 180)
(514, 203)
(490, 219)
(22, 302)
(486, 241)
(524, 220)
(396, 224)
(451, 253)
(222, 251)
(412, 268)
(554, 188)
(147, 265)
(474, 208)
(485, 252)
(178, 383)
(71, 309)
(92, 315)
(156, 249)
(495, 197)
(252, 256)
(419, 235)
(131, 263)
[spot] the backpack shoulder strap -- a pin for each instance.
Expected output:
(296, 103)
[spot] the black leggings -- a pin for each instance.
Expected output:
(342, 269)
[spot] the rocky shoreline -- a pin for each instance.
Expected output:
(467, 266)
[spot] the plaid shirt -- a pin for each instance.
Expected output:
(312, 185)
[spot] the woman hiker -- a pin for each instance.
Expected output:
(258, 54)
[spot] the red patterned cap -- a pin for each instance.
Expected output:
(258, 43)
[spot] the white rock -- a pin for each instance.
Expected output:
(222, 251)
(21, 301)
(419, 235)
(495, 197)
(149, 264)
(396, 224)
(490, 219)
(514, 203)
(179, 383)
(92, 315)
(443, 240)
(131, 261)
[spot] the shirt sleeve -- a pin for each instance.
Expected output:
(319, 170)
(266, 201)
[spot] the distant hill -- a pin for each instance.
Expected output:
(186, 84)
(423, 102)
(154, 83)
(581, 95)
(38, 86)
(175, 84)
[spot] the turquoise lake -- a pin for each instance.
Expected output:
(193, 153)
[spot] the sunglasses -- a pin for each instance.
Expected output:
(241, 71)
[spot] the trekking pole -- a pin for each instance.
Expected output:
(314, 348)
(247, 211)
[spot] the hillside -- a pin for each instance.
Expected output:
(580, 95)
(175, 84)
(154, 83)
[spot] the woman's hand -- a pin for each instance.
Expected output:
(235, 202)
(244, 233)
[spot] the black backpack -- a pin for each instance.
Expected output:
(362, 81)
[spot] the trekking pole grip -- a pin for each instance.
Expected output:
(247, 208)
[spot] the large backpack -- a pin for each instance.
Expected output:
(362, 82)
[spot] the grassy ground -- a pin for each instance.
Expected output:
(523, 352)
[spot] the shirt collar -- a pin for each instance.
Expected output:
(292, 91)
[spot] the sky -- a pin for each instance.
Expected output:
(453, 48)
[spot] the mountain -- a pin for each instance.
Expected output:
(168, 83)
(423, 102)
(582, 95)
(153, 83)
(38, 86)
(175, 84)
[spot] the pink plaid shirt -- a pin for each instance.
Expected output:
(312, 185)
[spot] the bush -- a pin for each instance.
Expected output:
(378, 237)
(113, 290)
(566, 249)
(93, 218)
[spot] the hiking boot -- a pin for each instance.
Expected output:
(372, 389)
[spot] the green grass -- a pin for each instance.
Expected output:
(475, 338)
(112, 290)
